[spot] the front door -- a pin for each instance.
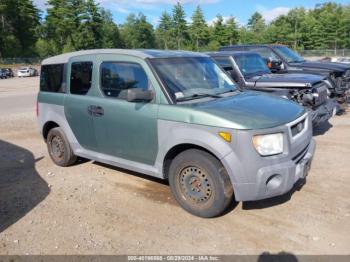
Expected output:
(125, 130)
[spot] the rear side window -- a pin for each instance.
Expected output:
(224, 62)
(118, 77)
(80, 80)
(51, 78)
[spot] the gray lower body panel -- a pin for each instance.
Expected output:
(276, 179)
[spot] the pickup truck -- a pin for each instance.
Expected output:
(282, 59)
(249, 71)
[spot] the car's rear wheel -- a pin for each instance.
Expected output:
(200, 183)
(59, 148)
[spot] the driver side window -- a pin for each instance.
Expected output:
(118, 77)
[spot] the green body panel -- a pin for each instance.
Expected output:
(51, 98)
(246, 110)
(80, 122)
(76, 109)
(126, 130)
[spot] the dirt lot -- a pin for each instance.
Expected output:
(95, 209)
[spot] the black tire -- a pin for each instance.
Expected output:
(59, 149)
(200, 183)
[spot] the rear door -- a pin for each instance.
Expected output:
(81, 85)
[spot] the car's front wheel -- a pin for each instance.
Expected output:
(59, 148)
(200, 183)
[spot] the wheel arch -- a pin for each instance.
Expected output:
(178, 149)
(47, 127)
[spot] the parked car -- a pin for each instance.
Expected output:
(27, 72)
(282, 59)
(343, 60)
(250, 71)
(176, 116)
(3, 73)
(9, 72)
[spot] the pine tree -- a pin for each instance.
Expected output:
(165, 31)
(111, 37)
(179, 25)
(19, 21)
(137, 32)
(62, 23)
(3, 29)
(90, 33)
(219, 31)
(232, 31)
(256, 23)
(199, 31)
(257, 27)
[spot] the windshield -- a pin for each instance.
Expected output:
(251, 65)
(192, 77)
(289, 55)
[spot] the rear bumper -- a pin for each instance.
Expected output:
(324, 112)
(277, 179)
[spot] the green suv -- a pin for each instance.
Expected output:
(176, 116)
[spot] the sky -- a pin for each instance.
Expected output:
(241, 10)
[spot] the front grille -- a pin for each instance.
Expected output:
(298, 127)
(345, 80)
(298, 157)
(322, 93)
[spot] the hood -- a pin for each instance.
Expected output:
(286, 80)
(329, 66)
(246, 110)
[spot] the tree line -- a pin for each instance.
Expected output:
(71, 25)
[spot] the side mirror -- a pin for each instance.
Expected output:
(274, 65)
(139, 95)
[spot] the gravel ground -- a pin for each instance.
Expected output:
(92, 208)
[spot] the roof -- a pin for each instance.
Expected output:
(141, 53)
(250, 45)
(231, 53)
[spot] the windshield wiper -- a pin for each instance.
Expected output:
(297, 61)
(255, 74)
(229, 91)
(263, 72)
(197, 96)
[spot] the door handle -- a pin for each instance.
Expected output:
(99, 111)
(95, 111)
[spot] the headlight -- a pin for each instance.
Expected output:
(268, 145)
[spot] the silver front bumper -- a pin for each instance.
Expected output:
(255, 177)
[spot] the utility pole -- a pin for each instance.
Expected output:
(295, 34)
(335, 42)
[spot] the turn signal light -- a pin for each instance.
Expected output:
(226, 136)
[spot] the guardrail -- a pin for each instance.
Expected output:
(326, 53)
